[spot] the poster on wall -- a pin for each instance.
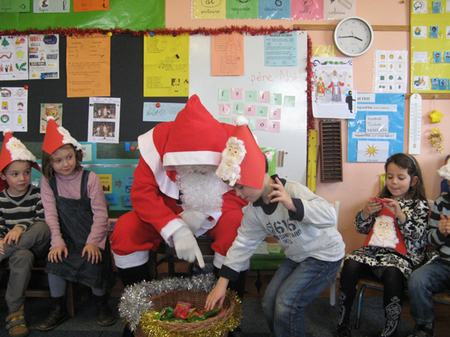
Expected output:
(14, 108)
(333, 93)
(44, 56)
(391, 71)
(377, 131)
(104, 120)
(13, 58)
(430, 46)
(166, 65)
(271, 97)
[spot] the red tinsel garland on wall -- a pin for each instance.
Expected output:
(178, 31)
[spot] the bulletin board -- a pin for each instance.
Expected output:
(285, 89)
(119, 160)
(430, 46)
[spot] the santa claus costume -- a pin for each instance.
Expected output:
(164, 205)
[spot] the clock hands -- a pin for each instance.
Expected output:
(353, 36)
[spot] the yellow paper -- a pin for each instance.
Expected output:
(227, 55)
(106, 180)
(209, 9)
(88, 66)
(166, 66)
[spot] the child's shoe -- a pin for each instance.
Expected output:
(57, 315)
(421, 330)
(104, 313)
(16, 325)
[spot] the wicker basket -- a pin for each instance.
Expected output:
(197, 300)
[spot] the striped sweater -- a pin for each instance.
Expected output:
(21, 211)
(436, 238)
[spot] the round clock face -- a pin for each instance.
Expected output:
(353, 36)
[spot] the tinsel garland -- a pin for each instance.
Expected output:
(152, 326)
(135, 303)
(205, 31)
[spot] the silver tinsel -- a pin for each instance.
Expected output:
(135, 299)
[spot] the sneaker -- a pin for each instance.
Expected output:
(423, 331)
(15, 323)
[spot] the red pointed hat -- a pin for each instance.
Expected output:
(195, 137)
(397, 243)
(56, 136)
(243, 162)
(13, 149)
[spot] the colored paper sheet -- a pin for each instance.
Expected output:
(166, 66)
(18, 6)
(13, 58)
(237, 9)
(338, 9)
(92, 5)
(269, 9)
(51, 6)
(377, 131)
(161, 112)
(213, 9)
(306, 10)
(227, 55)
(280, 49)
(141, 15)
(88, 65)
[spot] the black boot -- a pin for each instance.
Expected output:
(130, 276)
(104, 313)
(57, 315)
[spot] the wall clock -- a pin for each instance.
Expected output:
(353, 36)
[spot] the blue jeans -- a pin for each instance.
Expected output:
(422, 283)
(291, 289)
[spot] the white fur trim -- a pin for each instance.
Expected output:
(170, 228)
(152, 158)
(240, 121)
(6, 131)
(172, 159)
(131, 260)
(444, 171)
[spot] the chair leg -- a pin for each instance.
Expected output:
(358, 311)
(70, 299)
(333, 293)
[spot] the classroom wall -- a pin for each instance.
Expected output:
(361, 180)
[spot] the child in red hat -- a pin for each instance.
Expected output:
(23, 232)
(76, 212)
(402, 203)
(302, 222)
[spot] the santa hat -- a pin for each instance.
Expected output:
(444, 171)
(252, 163)
(195, 137)
(13, 149)
(56, 136)
(386, 214)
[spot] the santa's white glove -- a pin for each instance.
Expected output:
(186, 246)
(194, 219)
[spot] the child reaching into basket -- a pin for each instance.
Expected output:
(76, 212)
(302, 222)
(402, 200)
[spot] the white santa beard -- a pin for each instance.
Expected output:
(389, 241)
(201, 189)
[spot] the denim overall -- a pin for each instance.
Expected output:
(75, 220)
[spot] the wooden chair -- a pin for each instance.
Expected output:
(364, 283)
(38, 285)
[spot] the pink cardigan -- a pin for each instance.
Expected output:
(69, 187)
